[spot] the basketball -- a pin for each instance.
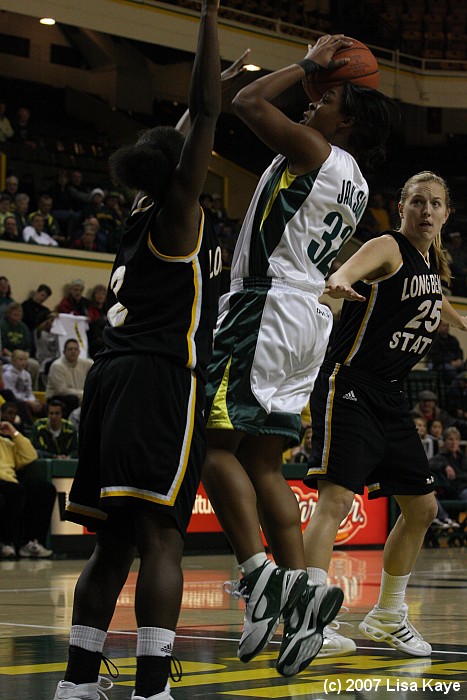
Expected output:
(362, 69)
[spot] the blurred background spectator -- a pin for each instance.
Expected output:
(6, 130)
(51, 224)
(11, 232)
(5, 296)
(377, 209)
(55, 437)
(450, 467)
(24, 131)
(5, 210)
(458, 263)
(34, 309)
(74, 302)
(87, 239)
(11, 187)
(18, 380)
(446, 354)
(428, 409)
(22, 212)
(36, 234)
(28, 501)
(66, 377)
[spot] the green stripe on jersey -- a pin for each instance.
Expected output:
(282, 196)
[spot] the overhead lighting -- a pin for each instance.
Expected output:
(47, 20)
(252, 67)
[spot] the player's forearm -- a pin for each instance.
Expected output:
(205, 86)
(449, 314)
(267, 88)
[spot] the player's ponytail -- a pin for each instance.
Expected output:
(442, 260)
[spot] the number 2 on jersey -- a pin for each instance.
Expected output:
(117, 313)
(430, 309)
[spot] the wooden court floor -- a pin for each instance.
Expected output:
(35, 612)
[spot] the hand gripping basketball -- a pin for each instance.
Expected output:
(343, 60)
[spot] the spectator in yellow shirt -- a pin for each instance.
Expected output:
(27, 501)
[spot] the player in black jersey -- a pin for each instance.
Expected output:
(142, 436)
(363, 433)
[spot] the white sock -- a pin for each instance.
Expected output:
(316, 576)
(392, 591)
(89, 638)
(253, 563)
(154, 641)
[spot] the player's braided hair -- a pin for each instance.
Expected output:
(374, 116)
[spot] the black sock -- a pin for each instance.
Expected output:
(151, 675)
(83, 665)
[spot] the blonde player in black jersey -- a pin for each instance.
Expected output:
(363, 433)
(142, 433)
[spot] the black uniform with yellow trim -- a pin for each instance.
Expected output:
(363, 432)
(142, 432)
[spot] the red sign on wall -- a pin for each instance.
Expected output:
(203, 518)
(367, 522)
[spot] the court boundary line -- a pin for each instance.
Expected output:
(220, 639)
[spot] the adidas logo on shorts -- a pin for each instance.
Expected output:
(350, 396)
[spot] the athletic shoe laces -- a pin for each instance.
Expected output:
(175, 669)
(109, 666)
(103, 684)
(407, 625)
(331, 630)
(237, 589)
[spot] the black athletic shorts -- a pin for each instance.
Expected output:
(142, 441)
(363, 434)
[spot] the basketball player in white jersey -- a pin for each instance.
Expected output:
(271, 338)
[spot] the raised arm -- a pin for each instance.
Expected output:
(304, 147)
(374, 259)
(233, 71)
(179, 218)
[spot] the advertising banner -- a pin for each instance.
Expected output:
(366, 523)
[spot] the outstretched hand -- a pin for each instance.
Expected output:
(7, 429)
(343, 291)
(323, 51)
(237, 67)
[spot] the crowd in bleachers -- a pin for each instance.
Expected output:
(33, 358)
(433, 29)
(70, 212)
(430, 29)
(68, 215)
(71, 215)
(301, 18)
